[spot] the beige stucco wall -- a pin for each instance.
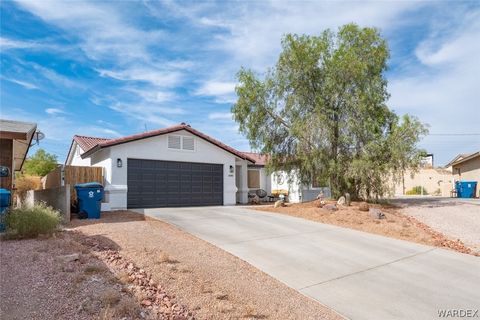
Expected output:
(435, 181)
(468, 171)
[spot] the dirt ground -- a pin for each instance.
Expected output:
(35, 283)
(395, 225)
(132, 268)
(455, 218)
(205, 279)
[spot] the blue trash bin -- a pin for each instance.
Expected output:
(89, 199)
(5, 199)
(466, 189)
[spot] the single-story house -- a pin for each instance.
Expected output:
(466, 167)
(278, 182)
(176, 166)
(15, 140)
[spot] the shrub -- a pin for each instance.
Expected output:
(29, 222)
(24, 183)
(417, 190)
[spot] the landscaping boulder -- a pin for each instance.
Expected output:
(330, 207)
(279, 203)
(347, 199)
(320, 203)
(320, 196)
(69, 257)
(341, 201)
(377, 213)
(363, 206)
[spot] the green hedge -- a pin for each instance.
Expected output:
(29, 222)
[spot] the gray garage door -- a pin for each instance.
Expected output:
(154, 184)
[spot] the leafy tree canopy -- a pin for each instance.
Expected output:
(321, 113)
(40, 163)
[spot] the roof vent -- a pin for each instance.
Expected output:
(183, 123)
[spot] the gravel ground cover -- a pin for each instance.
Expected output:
(37, 283)
(454, 219)
(207, 280)
(395, 225)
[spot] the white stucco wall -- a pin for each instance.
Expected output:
(155, 148)
(75, 159)
(279, 181)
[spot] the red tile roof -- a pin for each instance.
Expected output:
(92, 144)
(87, 143)
(260, 159)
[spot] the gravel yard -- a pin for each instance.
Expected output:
(455, 219)
(36, 284)
(396, 224)
(209, 281)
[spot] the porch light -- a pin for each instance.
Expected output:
(119, 163)
(231, 169)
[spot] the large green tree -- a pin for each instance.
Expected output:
(321, 112)
(40, 163)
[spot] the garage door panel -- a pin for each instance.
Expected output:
(155, 183)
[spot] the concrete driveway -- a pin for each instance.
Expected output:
(360, 275)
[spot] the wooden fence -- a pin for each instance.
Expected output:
(72, 175)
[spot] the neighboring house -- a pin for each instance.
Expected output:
(467, 168)
(15, 140)
(170, 167)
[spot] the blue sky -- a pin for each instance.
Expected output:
(110, 69)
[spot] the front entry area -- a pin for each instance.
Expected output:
(158, 183)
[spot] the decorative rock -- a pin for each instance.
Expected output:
(279, 203)
(363, 206)
(330, 207)
(347, 199)
(146, 302)
(69, 257)
(321, 203)
(320, 196)
(376, 213)
(341, 201)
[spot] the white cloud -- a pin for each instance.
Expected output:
(56, 78)
(103, 30)
(6, 44)
(158, 78)
(224, 92)
(220, 116)
(54, 111)
(443, 90)
(25, 84)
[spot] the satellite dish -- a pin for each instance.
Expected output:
(37, 136)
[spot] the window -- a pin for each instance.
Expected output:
(181, 143)
(253, 179)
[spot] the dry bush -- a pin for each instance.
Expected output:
(127, 307)
(91, 269)
(24, 183)
(110, 297)
(30, 222)
(163, 257)
(123, 277)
